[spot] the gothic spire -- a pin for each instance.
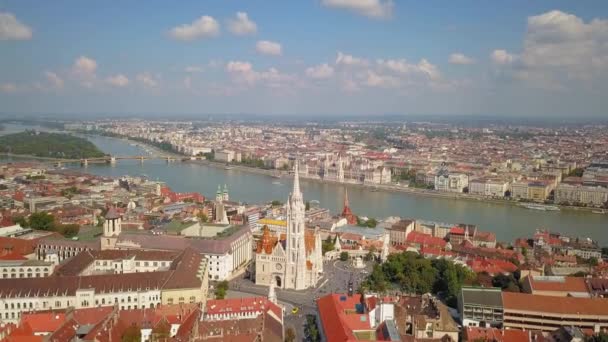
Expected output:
(296, 182)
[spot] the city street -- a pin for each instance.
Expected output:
(335, 280)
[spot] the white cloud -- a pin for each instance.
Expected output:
(203, 27)
(193, 69)
(267, 47)
(54, 80)
(84, 69)
(349, 60)
(244, 73)
(148, 80)
(423, 68)
(502, 57)
(558, 39)
(13, 29)
(383, 81)
(560, 51)
(84, 66)
(320, 71)
(459, 58)
(8, 87)
(119, 80)
(369, 8)
(242, 25)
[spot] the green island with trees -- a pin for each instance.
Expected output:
(49, 145)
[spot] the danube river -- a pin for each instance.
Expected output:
(507, 221)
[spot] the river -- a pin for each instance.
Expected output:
(507, 221)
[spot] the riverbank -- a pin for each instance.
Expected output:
(49, 159)
(373, 187)
(380, 187)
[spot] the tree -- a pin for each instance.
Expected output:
(327, 245)
(161, 332)
(202, 217)
(307, 208)
(414, 274)
(344, 256)
(593, 261)
(221, 289)
(290, 335)
(68, 230)
(131, 334)
(20, 220)
(42, 221)
(276, 203)
(506, 282)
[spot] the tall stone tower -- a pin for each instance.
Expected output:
(111, 229)
(226, 196)
(340, 172)
(219, 197)
(295, 272)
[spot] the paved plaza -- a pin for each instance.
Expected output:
(335, 280)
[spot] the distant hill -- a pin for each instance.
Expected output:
(50, 145)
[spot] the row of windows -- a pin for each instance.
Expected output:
(22, 275)
(13, 270)
(181, 300)
(137, 263)
(30, 305)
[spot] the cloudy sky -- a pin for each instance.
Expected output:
(321, 57)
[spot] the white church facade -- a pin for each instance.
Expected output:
(293, 260)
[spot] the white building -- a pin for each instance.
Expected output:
(581, 194)
(488, 187)
(451, 182)
(25, 268)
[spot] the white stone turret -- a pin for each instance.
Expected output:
(218, 194)
(337, 245)
(385, 243)
(272, 295)
(225, 195)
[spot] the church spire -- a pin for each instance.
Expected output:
(296, 182)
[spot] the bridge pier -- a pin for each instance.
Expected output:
(84, 162)
(113, 160)
(141, 160)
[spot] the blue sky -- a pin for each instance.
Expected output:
(334, 57)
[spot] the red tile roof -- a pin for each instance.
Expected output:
(339, 317)
(555, 305)
(557, 284)
(43, 322)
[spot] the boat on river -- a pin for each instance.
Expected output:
(543, 207)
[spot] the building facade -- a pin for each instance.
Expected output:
(296, 261)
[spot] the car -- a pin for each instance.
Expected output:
(295, 310)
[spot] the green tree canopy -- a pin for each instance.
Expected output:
(42, 221)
